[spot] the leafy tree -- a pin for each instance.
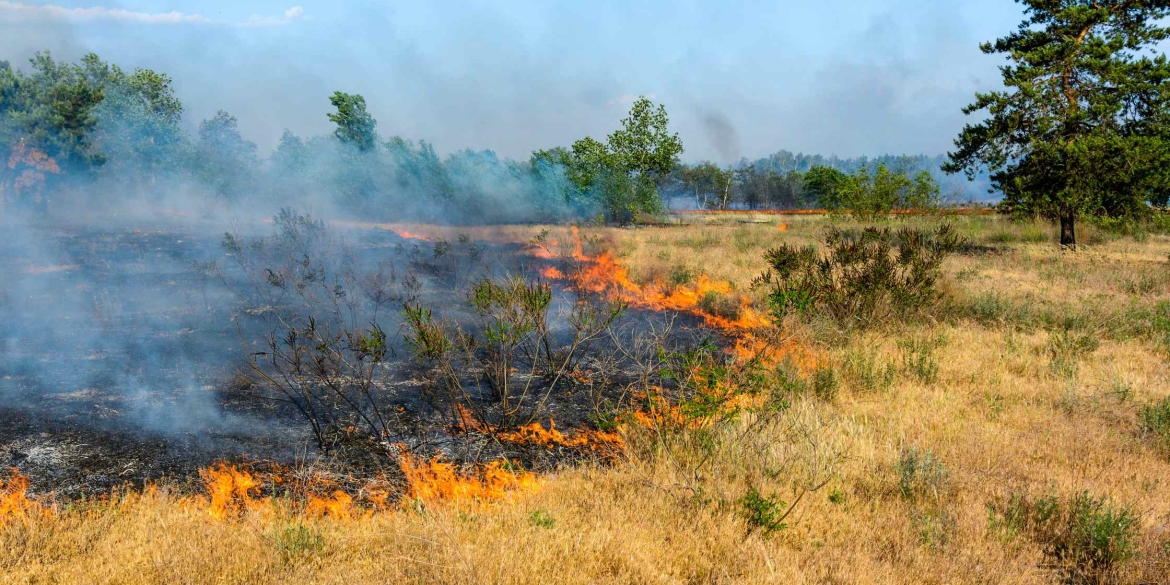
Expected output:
(52, 111)
(710, 184)
(1081, 126)
(873, 194)
(624, 172)
(355, 125)
(825, 183)
(224, 159)
(139, 119)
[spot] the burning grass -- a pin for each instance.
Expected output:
(896, 455)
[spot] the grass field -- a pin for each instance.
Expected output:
(1010, 436)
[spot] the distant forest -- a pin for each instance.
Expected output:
(94, 131)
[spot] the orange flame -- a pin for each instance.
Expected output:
(230, 488)
(14, 500)
(437, 481)
(605, 444)
(339, 505)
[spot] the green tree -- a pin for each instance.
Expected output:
(51, 109)
(824, 184)
(139, 121)
(225, 160)
(355, 125)
(1081, 126)
(624, 172)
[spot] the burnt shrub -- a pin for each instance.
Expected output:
(859, 279)
(1087, 538)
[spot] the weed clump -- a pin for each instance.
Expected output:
(1155, 420)
(861, 279)
(1088, 538)
(920, 472)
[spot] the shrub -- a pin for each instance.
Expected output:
(720, 305)
(296, 540)
(866, 372)
(919, 473)
(765, 514)
(1087, 537)
(860, 279)
(1156, 421)
(542, 519)
(919, 360)
(1065, 350)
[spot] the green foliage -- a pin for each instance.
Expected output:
(920, 473)
(1155, 419)
(1081, 127)
(861, 279)
(623, 173)
(865, 371)
(918, 359)
(1065, 350)
(765, 514)
(825, 184)
(224, 159)
(355, 126)
(294, 541)
(869, 195)
(542, 519)
(1087, 537)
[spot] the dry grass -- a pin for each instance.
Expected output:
(1000, 416)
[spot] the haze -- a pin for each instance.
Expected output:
(845, 77)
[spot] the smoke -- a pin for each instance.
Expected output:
(722, 135)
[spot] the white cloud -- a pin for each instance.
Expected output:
(30, 12)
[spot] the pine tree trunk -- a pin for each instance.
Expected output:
(1068, 236)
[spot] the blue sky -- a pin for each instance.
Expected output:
(848, 77)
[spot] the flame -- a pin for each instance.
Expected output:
(338, 505)
(437, 481)
(14, 500)
(552, 273)
(230, 488)
(603, 443)
(782, 227)
(405, 234)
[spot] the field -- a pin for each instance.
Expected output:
(926, 454)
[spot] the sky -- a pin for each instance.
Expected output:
(739, 79)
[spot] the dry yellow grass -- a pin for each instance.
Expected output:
(999, 417)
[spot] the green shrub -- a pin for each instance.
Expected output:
(765, 514)
(296, 540)
(918, 359)
(920, 473)
(862, 278)
(720, 305)
(866, 372)
(542, 519)
(826, 382)
(1088, 538)
(1065, 349)
(1156, 421)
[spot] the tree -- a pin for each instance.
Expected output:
(824, 183)
(139, 120)
(874, 194)
(355, 125)
(624, 172)
(1081, 126)
(709, 183)
(224, 158)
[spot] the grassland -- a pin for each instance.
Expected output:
(1032, 382)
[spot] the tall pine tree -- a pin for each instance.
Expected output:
(1081, 125)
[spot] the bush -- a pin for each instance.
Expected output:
(1065, 350)
(765, 514)
(860, 279)
(919, 360)
(919, 473)
(866, 372)
(1156, 421)
(1087, 537)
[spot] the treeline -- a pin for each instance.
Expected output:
(798, 181)
(94, 130)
